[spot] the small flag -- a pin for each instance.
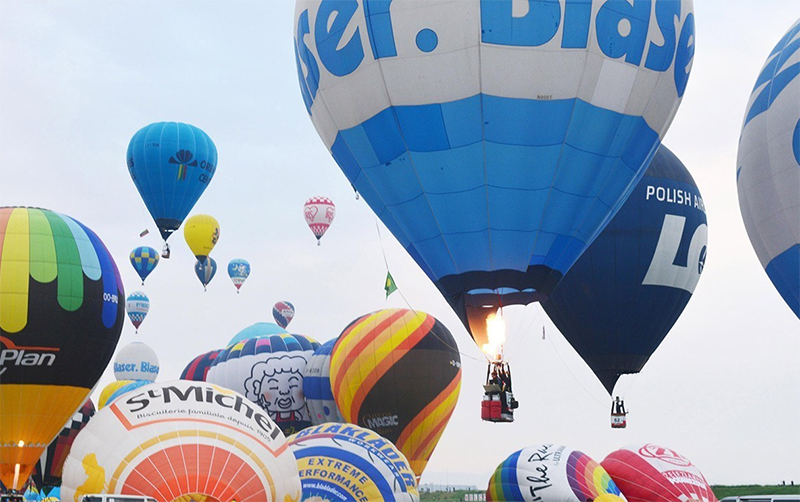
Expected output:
(390, 286)
(144, 232)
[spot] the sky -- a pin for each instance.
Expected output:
(79, 78)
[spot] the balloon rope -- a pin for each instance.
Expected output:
(444, 342)
(604, 405)
(525, 327)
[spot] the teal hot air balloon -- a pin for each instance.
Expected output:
(171, 165)
(494, 145)
(205, 270)
(144, 260)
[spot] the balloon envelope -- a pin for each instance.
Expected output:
(238, 271)
(171, 165)
(167, 440)
(48, 469)
(361, 465)
(317, 386)
(627, 290)
(205, 270)
(768, 173)
(201, 233)
(198, 368)
(60, 320)
(495, 145)
(268, 370)
(551, 473)
(398, 372)
(137, 305)
(319, 213)
(257, 330)
(283, 313)
(144, 260)
(136, 361)
(651, 472)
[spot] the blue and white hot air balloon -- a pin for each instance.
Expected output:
(238, 271)
(768, 173)
(144, 260)
(495, 139)
(205, 270)
(621, 298)
(317, 386)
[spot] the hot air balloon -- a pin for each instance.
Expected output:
(283, 313)
(198, 368)
(171, 165)
(268, 370)
(137, 306)
(238, 271)
(168, 440)
(144, 260)
(551, 473)
(48, 470)
(205, 270)
(201, 233)
(653, 473)
(398, 372)
(116, 389)
(768, 172)
(359, 465)
(319, 213)
(317, 386)
(32, 495)
(136, 361)
(623, 295)
(60, 320)
(494, 145)
(257, 330)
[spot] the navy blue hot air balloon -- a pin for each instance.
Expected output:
(495, 145)
(171, 165)
(623, 295)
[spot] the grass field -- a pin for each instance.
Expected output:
(720, 491)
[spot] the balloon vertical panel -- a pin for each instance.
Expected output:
(494, 146)
(768, 169)
(60, 320)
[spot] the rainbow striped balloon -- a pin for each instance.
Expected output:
(551, 473)
(398, 372)
(60, 320)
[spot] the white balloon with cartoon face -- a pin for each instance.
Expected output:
(269, 370)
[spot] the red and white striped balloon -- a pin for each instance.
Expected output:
(319, 213)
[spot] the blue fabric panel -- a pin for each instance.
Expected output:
(526, 122)
(423, 127)
(317, 388)
(784, 272)
(460, 212)
(456, 170)
(358, 143)
(463, 121)
(521, 167)
(384, 135)
(396, 182)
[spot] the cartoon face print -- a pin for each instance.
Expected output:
(277, 386)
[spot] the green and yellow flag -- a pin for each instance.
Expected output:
(389, 286)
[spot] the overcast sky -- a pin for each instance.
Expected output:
(79, 78)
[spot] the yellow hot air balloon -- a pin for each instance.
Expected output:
(60, 319)
(201, 232)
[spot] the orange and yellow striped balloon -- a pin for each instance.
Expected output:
(398, 372)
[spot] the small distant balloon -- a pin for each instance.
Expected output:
(201, 233)
(238, 271)
(144, 260)
(319, 213)
(137, 306)
(205, 270)
(283, 313)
